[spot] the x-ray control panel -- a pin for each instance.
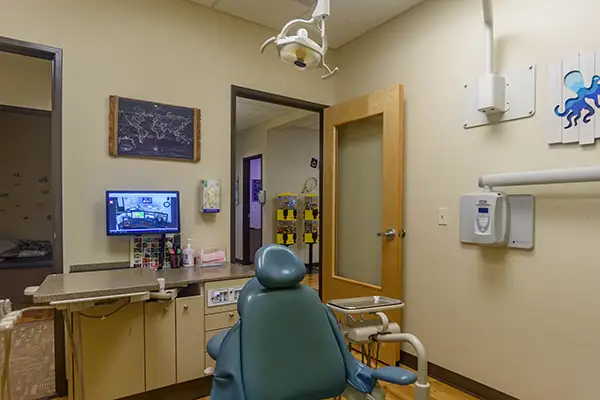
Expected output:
(223, 296)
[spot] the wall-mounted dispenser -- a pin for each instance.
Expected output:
(210, 196)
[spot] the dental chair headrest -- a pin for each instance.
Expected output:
(278, 267)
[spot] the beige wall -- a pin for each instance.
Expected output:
(526, 323)
(25, 81)
(170, 51)
(25, 196)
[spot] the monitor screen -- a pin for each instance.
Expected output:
(142, 212)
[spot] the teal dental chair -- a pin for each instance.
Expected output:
(287, 345)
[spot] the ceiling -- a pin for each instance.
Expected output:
(349, 18)
(251, 113)
(310, 122)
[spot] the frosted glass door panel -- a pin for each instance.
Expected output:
(359, 202)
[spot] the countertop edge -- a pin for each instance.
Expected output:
(44, 299)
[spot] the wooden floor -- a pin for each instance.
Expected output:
(439, 391)
(312, 280)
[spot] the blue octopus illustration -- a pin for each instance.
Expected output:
(575, 106)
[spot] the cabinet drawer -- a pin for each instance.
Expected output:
(209, 362)
(221, 320)
(209, 335)
(189, 320)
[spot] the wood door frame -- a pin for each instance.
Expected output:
(356, 109)
(246, 200)
(54, 55)
(252, 94)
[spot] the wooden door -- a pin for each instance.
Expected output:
(112, 352)
(160, 344)
(362, 200)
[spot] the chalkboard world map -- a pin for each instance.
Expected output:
(147, 129)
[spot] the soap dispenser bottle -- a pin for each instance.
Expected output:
(188, 255)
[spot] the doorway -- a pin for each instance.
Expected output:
(286, 135)
(253, 211)
(53, 181)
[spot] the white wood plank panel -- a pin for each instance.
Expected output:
(597, 72)
(570, 135)
(555, 95)
(587, 132)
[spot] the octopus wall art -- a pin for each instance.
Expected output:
(577, 107)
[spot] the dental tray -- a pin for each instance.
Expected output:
(359, 305)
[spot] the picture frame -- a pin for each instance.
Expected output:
(145, 129)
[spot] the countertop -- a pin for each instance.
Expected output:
(83, 285)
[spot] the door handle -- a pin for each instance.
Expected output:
(389, 234)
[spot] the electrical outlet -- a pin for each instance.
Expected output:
(442, 216)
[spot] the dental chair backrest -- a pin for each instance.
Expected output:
(288, 349)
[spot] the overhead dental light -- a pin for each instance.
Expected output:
(300, 50)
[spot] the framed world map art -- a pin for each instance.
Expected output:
(139, 128)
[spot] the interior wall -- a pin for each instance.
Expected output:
(248, 143)
(25, 81)
(170, 51)
(25, 194)
(514, 320)
(289, 152)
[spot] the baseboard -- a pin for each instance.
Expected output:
(315, 265)
(458, 381)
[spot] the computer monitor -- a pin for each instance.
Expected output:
(132, 212)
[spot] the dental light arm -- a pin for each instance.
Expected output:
(300, 50)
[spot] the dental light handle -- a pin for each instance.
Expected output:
(422, 387)
(309, 23)
(330, 72)
(268, 42)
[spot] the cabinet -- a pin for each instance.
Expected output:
(112, 351)
(221, 320)
(189, 320)
(159, 327)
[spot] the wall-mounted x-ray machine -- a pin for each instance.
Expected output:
(493, 218)
(498, 97)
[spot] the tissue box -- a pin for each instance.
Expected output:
(215, 257)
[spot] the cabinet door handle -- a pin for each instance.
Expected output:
(185, 307)
(165, 310)
(231, 315)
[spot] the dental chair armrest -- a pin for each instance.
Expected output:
(214, 344)
(399, 376)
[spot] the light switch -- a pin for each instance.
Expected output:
(442, 216)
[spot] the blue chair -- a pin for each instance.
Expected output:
(287, 345)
